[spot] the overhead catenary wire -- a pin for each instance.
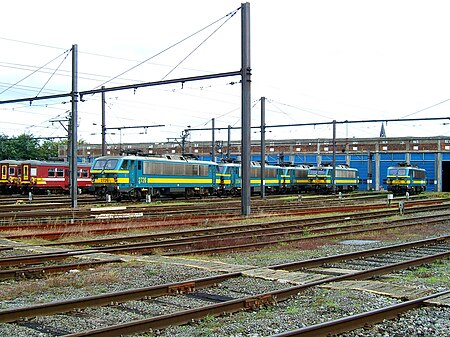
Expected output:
(11, 86)
(431, 106)
(206, 39)
(53, 74)
(166, 49)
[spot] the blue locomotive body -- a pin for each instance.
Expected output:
(320, 178)
(230, 176)
(135, 177)
(298, 178)
(404, 178)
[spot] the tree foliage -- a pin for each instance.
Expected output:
(26, 146)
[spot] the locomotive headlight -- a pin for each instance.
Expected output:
(93, 177)
(115, 178)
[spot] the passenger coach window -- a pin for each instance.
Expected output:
(60, 172)
(51, 172)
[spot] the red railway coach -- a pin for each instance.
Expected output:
(10, 171)
(41, 177)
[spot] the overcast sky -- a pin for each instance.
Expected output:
(314, 61)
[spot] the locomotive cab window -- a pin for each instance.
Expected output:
(33, 171)
(60, 172)
(111, 164)
(105, 164)
(124, 165)
(318, 171)
(397, 172)
(51, 172)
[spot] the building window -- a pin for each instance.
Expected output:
(271, 149)
(384, 148)
(150, 151)
(447, 147)
(196, 151)
(415, 147)
(298, 149)
(325, 148)
(355, 148)
(173, 151)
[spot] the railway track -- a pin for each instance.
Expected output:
(139, 218)
(301, 275)
(364, 319)
(47, 213)
(214, 240)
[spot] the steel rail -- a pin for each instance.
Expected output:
(322, 220)
(39, 258)
(265, 243)
(184, 242)
(249, 302)
(11, 315)
(57, 234)
(34, 272)
(353, 322)
(358, 254)
(256, 234)
(189, 286)
(27, 211)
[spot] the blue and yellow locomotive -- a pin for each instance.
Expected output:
(320, 178)
(230, 176)
(135, 177)
(298, 178)
(405, 177)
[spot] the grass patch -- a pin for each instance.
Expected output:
(57, 283)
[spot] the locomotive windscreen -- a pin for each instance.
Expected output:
(397, 172)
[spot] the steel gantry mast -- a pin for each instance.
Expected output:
(246, 110)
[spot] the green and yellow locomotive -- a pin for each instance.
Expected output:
(405, 177)
(320, 178)
(135, 177)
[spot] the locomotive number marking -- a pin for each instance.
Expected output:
(142, 180)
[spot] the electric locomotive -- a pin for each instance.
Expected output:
(298, 178)
(405, 177)
(135, 177)
(230, 176)
(320, 178)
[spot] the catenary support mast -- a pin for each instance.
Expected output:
(246, 110)
(263, 147)
(73, 130)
